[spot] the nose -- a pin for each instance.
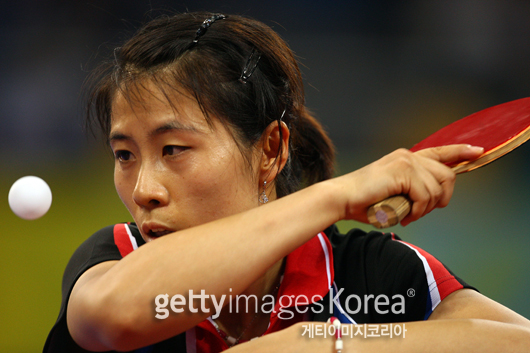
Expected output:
(149, 191)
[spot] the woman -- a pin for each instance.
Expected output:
(213, 147)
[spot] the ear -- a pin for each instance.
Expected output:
(275, 143)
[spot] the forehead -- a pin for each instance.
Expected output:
(148, 104)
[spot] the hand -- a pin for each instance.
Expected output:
(422, 175)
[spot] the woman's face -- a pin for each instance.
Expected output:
(172, 170)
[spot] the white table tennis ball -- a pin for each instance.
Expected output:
(30, 197)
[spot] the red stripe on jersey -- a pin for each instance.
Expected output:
(122, 240)
(445, 281)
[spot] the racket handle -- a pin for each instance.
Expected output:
(389, 212)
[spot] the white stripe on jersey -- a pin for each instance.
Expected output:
(326, 254)
(339, 307)
(433, 287)
(131, 237)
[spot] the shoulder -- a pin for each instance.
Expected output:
(111, 243)
(108, 244)
(373, 249)
(377, 263)
(119, 238)
(372, 252)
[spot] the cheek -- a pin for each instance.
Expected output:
(223, 188)
(124, 190)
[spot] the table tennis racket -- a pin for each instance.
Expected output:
(499, 129)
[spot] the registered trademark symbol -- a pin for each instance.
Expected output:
(411, 292)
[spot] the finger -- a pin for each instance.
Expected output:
(419, 209)
(431, 187)
(425, 196)
(452, 154)
(445, 179)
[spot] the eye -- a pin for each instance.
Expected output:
(172, 150)
(123, 155)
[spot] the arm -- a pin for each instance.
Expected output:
(111, 305)
(467, 303)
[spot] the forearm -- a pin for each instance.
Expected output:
(464, 335)
(443, 336)
(227, 253)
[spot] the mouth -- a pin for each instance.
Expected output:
(158, 232)
(153, 231)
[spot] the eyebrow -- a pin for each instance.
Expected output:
(171, 126)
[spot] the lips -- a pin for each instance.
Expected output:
(153, 231)
(159, 232)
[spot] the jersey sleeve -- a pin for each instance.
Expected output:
(108, 244)
(385, 279)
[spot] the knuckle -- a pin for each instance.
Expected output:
(438, 193)
(403, 159)
(403, 152)
(451, 177)
(439, 149)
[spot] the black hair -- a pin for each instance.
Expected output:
(169, 51)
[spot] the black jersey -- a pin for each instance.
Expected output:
(358, 277)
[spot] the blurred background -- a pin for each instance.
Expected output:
(379, 74)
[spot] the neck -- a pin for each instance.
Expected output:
(241, 320)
